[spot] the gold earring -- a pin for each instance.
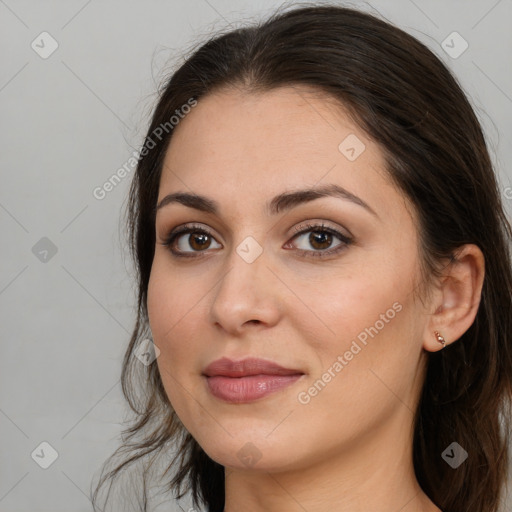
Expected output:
(440, 339)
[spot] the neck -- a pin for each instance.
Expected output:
(372, 473)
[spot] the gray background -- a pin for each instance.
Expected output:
(68, 122)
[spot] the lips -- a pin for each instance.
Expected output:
(239, 382)
(251, 366)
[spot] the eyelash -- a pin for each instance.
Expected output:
(345, 240)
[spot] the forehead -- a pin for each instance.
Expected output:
(289, 123)
(235, 143)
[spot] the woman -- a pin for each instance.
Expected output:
(324, 269)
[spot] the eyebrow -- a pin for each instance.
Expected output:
(280, 203)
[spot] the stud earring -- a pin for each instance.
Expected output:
(440, 339)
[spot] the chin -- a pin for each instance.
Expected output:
(252, 453)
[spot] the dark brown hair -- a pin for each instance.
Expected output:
(409, 103)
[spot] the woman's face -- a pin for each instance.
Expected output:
(321, 284)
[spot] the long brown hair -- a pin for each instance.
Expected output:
(407, 101)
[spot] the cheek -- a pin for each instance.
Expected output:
(176, 312)
(367, 319)
(364, 370)
(342, 307)
(170, 300)
(168, 304)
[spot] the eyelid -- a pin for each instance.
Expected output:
(301, 229)
(170, 238)
(320, 224)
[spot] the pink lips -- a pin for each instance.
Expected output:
(247, 380)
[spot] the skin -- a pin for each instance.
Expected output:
(350, 446)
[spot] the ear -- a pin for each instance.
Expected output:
(457, 297)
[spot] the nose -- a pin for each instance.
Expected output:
(247, 296)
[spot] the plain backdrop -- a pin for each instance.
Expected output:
(77, 84)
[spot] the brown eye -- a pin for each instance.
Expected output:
(317, 241)
(197, 241)
(320, 239)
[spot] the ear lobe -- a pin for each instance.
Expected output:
(458, 297)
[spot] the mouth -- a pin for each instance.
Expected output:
(247, 380)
